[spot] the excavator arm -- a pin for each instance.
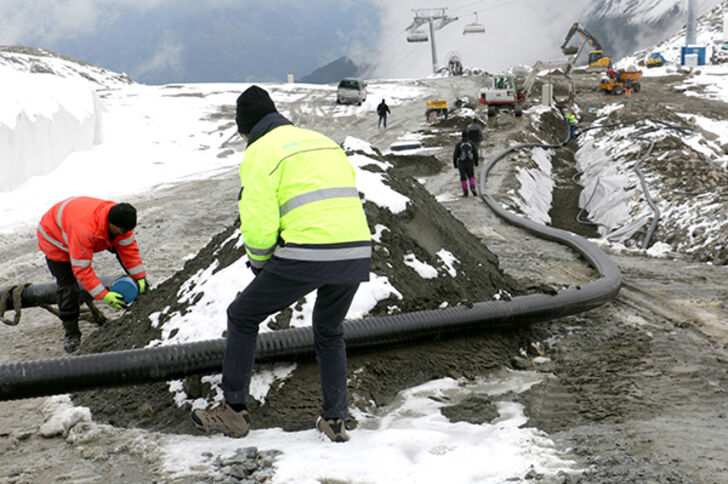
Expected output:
(578, 29)
(563, 65)
(597, 58)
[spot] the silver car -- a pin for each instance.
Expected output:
(351, 91)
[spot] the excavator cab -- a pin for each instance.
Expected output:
(598, 59)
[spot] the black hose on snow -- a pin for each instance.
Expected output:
(62, 375)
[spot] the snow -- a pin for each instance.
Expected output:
(408, 442)
(169, 133)
(425, 270)
(448, 259)
(534, 195)
(44, 118)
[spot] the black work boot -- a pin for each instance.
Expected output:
(73, 336)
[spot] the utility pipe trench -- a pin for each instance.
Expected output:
(129, 367)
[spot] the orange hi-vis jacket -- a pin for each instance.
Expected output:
(74, 229)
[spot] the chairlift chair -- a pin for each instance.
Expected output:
(417, 36)
(475, 27)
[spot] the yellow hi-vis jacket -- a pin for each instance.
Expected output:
(299, 200)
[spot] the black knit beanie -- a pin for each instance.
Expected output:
(123, 215)
(253, 104)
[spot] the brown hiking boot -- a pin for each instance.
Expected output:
(332, 428)
(222, 419)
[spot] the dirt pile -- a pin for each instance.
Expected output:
(420, 232)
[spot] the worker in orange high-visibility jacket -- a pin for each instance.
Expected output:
(69, 234)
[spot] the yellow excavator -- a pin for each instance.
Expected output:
(597, 58)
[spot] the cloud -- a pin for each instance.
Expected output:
(516, 32)
(167, 57)
(45, 21)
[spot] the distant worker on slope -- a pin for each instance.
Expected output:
(465, 159)
(628, 87)
(69, 234)
(382, 111)
(304, 229)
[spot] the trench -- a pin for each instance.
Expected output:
(565, 209)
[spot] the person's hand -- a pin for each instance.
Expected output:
(142, 285)
(255, 270)
(115, 300)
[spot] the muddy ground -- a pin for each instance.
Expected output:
(636, 389)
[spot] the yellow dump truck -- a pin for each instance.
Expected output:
(435, 109)
(614, 82)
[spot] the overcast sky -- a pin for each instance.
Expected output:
(160, 41)
(516, 32)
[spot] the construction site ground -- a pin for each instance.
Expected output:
(636, 390)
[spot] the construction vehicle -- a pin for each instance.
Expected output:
(655, 60)
(435, 109)
(615, 82)
(501, 88)
(597, 57)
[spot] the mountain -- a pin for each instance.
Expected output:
(333, 72)
(624, 26)
(42, 61)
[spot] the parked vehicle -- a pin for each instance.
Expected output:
(351, 91)
(435, 109)
(500, 89)
(655, 60)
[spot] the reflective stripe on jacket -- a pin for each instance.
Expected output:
(299, 187)
(74, 229)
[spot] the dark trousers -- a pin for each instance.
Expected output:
(467, 170)
(382, 119)
(68, 291)
(268, 294)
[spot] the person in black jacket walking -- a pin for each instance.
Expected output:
(382, 111)
(475, 134)
(465, 159)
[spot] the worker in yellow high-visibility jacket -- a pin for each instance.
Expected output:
(304, 229)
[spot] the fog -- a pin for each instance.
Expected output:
(516, 32)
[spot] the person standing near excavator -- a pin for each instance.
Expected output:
(571, 118)
(69, 234)
(304, 229)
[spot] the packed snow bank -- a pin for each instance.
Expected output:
(44, 119)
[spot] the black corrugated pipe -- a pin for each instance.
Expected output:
(35, 295)
(62, 375)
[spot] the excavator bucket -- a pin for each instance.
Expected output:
(569, 50)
